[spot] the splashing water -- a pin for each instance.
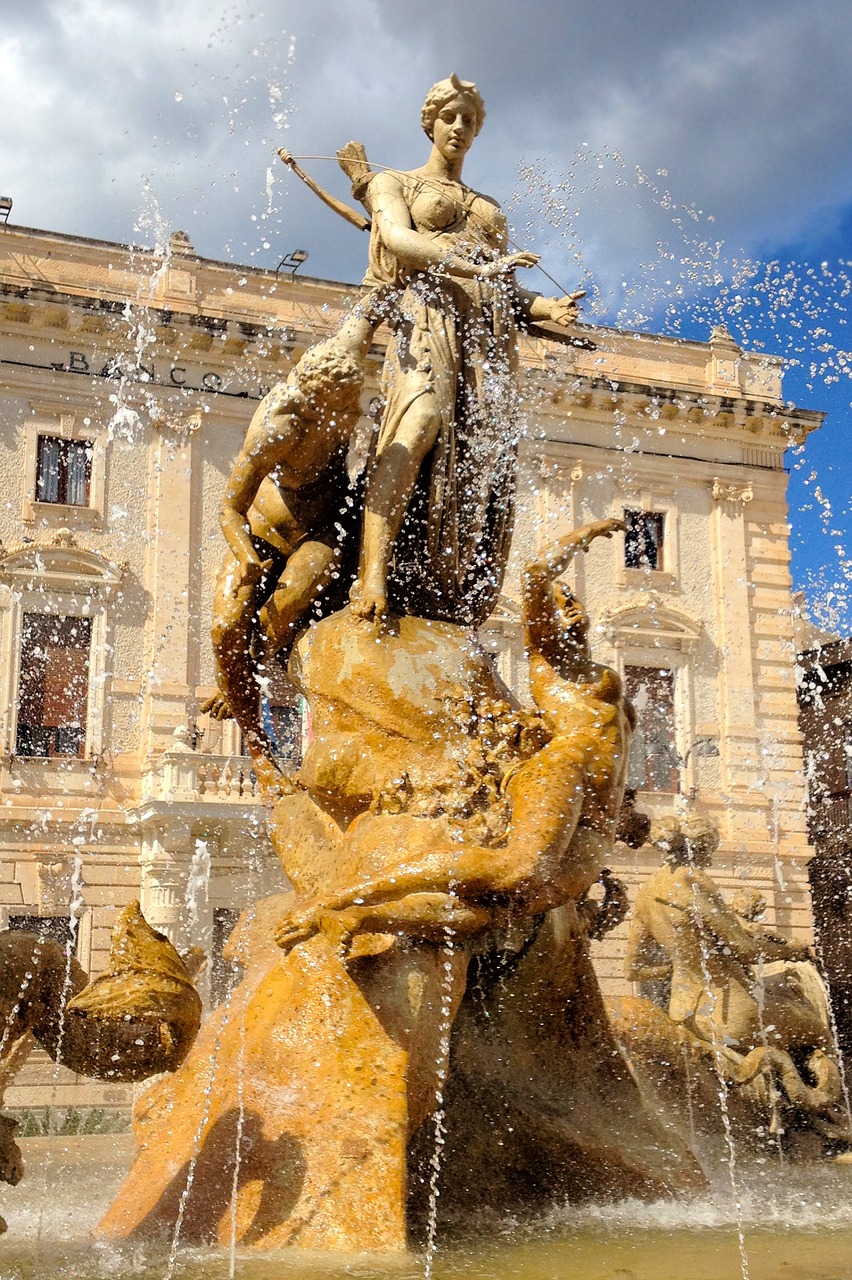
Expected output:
(710, 998)
(445, 1022)
(197, 893)
(791, 309)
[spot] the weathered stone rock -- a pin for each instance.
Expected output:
(295, 1079)
(408, 717)
(541, 1106)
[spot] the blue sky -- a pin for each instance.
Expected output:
(647, 149)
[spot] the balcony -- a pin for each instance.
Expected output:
(182, 777)
(198, 785)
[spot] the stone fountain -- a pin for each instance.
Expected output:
(428, 981)
(418, 1042)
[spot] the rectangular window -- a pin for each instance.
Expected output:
(53, 693)
(63, 471)
(654, 763)
(61, 929)
(643, 539)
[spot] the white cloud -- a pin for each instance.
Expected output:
(748, 109)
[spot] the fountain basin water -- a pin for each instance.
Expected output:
(798, 1226)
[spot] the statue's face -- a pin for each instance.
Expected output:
(573, 616)
(455, 128)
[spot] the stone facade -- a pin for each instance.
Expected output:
(141, 370)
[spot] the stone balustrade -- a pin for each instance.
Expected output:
(183, 777)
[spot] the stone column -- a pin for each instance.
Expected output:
(165, 862)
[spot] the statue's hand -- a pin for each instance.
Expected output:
(306, 919)
(508, 263)
(599, 529)
(216, 707)
(251, 571)
(565, 310)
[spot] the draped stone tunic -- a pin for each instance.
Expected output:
(454, 340)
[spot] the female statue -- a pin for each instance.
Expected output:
(440, 496)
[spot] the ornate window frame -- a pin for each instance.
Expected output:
(65, 580)
(657, 498)
(651, 633)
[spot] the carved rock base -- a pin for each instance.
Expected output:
(297, 1075)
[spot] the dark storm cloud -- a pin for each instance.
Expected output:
(114, 110)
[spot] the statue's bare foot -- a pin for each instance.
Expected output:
(368, 599)
(217, 707)
(273, 782)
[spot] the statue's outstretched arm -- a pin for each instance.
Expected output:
(562, 310)
(556, 558)
(719, 919)
(351, 215)
(537, 598)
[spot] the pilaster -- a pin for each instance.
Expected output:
(168, 683)
(737, 694)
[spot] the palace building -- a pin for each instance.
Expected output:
(127, 380)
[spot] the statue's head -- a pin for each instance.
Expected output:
(702, 839)
(444, 92)
(684, 842)
(573, 619)
(330, 376)
(750, 904)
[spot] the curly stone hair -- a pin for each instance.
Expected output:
(442, 93)
(327, 369)
(681, 839)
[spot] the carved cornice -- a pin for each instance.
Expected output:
(174, 421)
(649, 621)
(551, 468)
(709, 410)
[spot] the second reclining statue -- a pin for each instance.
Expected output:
(739, 1002)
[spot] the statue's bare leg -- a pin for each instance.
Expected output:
(239, 674)
(307, 571)
(233, 616)
(389, 491)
